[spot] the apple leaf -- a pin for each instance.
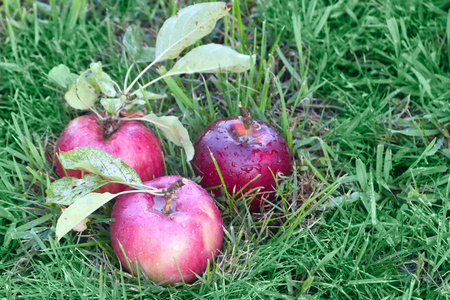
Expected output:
(212, 58)
(100, 162)
(86, 91)
(83, 90)
(143, 94)
(62, 76)
(133, 42)
(81, 226)
(73, 100)
(103, 80)
(173, 130)
(66, 190)
(185, 28)
(111, 105)
(79, 210)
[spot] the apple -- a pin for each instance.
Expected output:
(167, 235)
(243, 148)
(131, 141)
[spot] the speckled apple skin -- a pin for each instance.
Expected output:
(239, 162)
(134, 143)
(191, 235)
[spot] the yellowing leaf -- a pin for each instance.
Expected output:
(80, 210)
(73, 100)
(212, 58)
(81, 226)
(85, 91)
(173, 130)
(81, 90)
(185, 28)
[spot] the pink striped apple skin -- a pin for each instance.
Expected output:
(167, 244)
(262, 155)
(134, 143)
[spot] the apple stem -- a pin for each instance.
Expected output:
(109, 126)
(169, 191)
(247, 119)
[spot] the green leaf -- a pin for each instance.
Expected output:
(185, 28)
(73, 100)
(103, 80)
(62, 76)
(100, 162)
(79, 210)
(111, 105)
(66, 190)
(133, 42)
(82, 90)
(143, 94)
(173, 130)
(212, 58)
(86, 91)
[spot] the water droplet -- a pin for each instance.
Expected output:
(233, 164)
(247, 170)
(183, 225)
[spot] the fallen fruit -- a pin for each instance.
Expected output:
(131, 141)
(244, 148)
(167, 237)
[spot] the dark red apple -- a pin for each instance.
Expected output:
(242, 151)
(165, 243)
(131, 141)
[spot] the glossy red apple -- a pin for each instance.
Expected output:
(190, 232)
(242, 151)
(131, 141)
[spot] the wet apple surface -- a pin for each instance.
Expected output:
(165, 244)
(134, 143)
(242, 155)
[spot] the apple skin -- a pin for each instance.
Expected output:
(192, 234)
(240, 161)
(134, 143)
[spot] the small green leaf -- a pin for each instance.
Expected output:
(188, 26)
(86, 91)
(133, 42)
(103, 80)
(173, 130)
(67, 190)
(212, 58)
(79, 210)
(111, 105)
(100, 162)
(73, 100)
(143, 94)
(82, 90)
(62, 76)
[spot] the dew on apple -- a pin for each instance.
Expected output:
(241, 154)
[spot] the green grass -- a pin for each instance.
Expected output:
(359, 89)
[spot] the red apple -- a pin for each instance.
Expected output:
(190, 233)
(134, 143)
(242, 151)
